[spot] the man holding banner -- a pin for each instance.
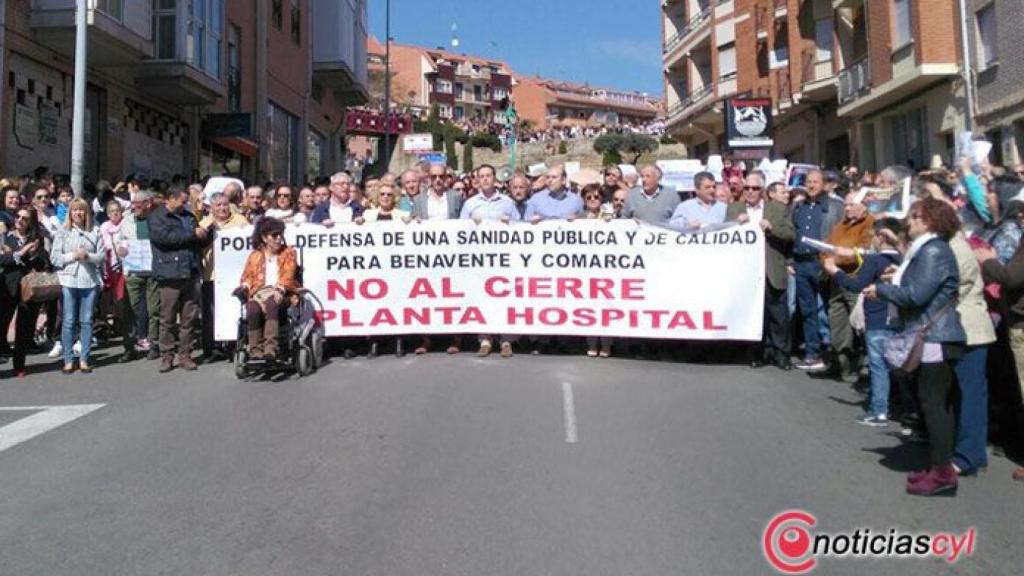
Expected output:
(773, 219)
(651, 202)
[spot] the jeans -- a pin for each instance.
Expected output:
(78, 304)
(875, 339)
(808, 289)
(972, 433)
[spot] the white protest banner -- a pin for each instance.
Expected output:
(218, 184)
(678, 174)
(586, 277)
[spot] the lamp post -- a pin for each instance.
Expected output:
(387, 86)
(78, 110)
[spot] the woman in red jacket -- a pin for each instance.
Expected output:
(269, 278)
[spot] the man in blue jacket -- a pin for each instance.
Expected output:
(176, 241)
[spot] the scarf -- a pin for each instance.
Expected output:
(915, 247)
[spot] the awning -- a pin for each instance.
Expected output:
(242, 146)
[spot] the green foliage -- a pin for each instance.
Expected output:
(630, 143)
(467, 157)
(563, 148)
(667, 139)
(449, 149)
(485, 140)
(611, 158)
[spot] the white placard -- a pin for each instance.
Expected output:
(586, 277)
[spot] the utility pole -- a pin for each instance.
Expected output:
(966, 69)
(386, 157)
(78, 113)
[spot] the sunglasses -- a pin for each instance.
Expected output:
(22, 217)
(619, 201)
(593, 197)
(42, 197)
(284, 195)
(274, 235)
(752, 188)
(437, 176)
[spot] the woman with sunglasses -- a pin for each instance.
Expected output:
(78, 256)
(284, 203)
(593, 208)
(23, 252)
(270, 277)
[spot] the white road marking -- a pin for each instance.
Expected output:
(569, 408)
(45, 419)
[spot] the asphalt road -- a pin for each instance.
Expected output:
(462, 466)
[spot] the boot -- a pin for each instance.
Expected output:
(939, 480)
(255, 343)
(270, 333)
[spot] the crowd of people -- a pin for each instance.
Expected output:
(925, 307)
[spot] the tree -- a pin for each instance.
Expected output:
(611, 158)
(467, 156)
(630, 143)
(563, 148)
(449, 149)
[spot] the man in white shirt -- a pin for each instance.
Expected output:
(339, 208)
(438, 203)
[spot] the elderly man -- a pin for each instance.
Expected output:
(773, 219)
(519, 190)
(142, 321)
(252, 207)
(849, 236)
(220, 218)
(556, 202)
(651, 203)
(339, 208)
(814, 218)
(489, 204)
(439, 202)
(735, 182)
(177, 241)
(234, 193)
(410, 181)
(701, 210)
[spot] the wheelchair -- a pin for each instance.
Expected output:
(301, 340)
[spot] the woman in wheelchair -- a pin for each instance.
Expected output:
(269, 280)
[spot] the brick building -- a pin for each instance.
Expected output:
(551, 103)
(997, 43)
(871, 82)
(464, 87)
(257, 89)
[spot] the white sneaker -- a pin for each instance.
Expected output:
(57, 351)
(77, 348)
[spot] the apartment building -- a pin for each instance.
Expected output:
(192, 87)
(700, 68)
(464, 87)
(997, 44)
(870, 82)
(552, 103)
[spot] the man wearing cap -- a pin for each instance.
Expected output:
(556, 202)
(773, 219)
(814, 218)
(651, 202)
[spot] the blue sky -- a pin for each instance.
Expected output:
(613, 43)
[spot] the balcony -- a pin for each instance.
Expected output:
(117, 37)
(689, 104)
(469, 72)
(339, 49)
(783, 88)
(178, 83)
(854, 81)
(761, 19)
(816, 77)
(688, 31)
(781, 8)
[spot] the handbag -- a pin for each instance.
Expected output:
(40, 287)
(905, 349)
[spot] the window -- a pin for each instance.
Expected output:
(823, 40)
(500, 93)
(444, 111)
(986, 20)
(204, 40)
(478, 93)
(296, 22)
(315, 156)
(906, 136)
(234, 69)
(779, 56)
(727, 61)
(165, 29)
(444, 86)
(282, 145)
(460, 113)
(112, 8)
(277, 13)
(901, 35)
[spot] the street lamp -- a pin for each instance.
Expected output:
(387, 86)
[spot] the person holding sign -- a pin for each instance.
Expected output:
(489, 204)
(773, 219)
(269, 278)
(651, 202)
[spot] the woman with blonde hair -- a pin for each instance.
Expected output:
(78, 256)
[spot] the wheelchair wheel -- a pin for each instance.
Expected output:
(304, 361)
(317, 345)
(240, 370)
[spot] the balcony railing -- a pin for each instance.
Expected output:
(780, 7)
(812, 69)
(854, 81)
(784, 85)
(693, 99)
(688, 29)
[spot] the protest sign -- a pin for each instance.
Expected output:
(217, 184)
(796, 174)
(586, 277)
(678, 174)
